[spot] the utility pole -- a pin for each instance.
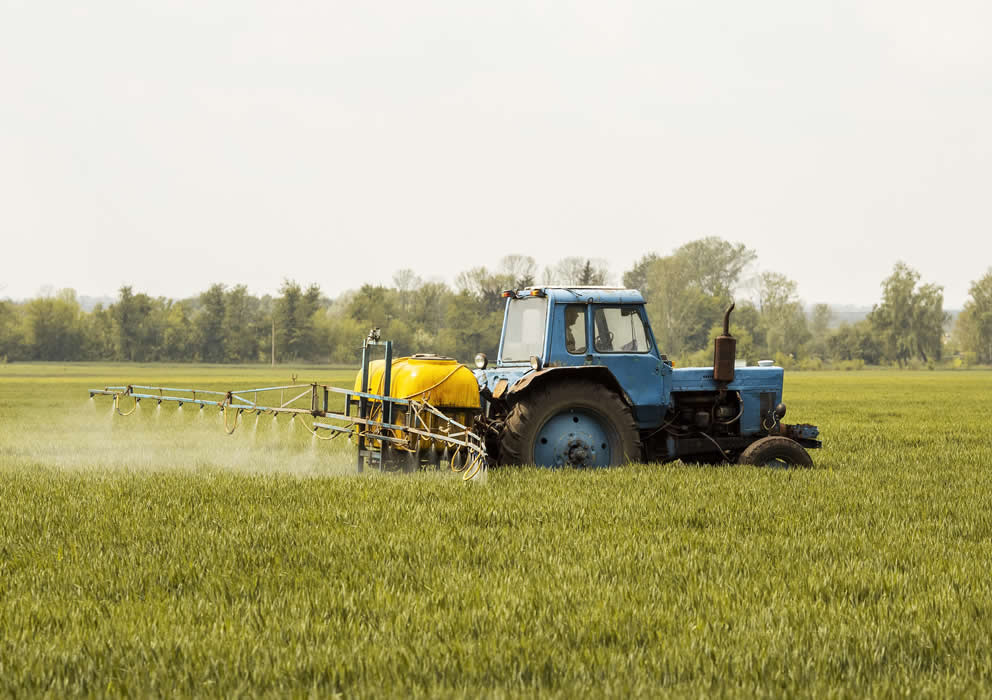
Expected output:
(273, 341)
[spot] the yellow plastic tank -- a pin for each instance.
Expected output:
(441, 381)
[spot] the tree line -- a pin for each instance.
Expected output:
(686, 293)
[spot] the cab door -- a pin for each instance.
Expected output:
(570, 337)
(620, 340)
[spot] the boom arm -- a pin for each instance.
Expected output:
(363, 417)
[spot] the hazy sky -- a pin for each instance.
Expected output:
(169, 145)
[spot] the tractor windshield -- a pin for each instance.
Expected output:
(523, 333)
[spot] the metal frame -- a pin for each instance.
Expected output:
(364, 407)
(371, 426)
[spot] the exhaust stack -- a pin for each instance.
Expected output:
(725, 352)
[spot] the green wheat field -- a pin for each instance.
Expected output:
(155, 555)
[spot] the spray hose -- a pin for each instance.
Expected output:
(237, 420)
(470, 468)
(313, 431)
(117, 406)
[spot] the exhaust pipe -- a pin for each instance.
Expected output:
(725, 352)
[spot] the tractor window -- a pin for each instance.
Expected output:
(575, 329)
(620, 329)
(523, 335)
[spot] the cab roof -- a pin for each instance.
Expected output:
(587, 295)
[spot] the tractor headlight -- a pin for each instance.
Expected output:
(535, 362)
(481, 361)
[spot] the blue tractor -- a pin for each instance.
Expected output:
(579, 381)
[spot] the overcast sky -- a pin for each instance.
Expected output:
(169, 145)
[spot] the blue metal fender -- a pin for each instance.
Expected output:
(596, 373)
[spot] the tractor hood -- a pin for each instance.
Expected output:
(745, 379)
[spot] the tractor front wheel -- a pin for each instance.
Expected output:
(570, 424)
(776, 452)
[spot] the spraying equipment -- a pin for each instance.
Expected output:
(578, 382)
(396, 427)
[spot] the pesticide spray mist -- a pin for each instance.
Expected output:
(179, 437)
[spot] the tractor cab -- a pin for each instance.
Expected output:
(572, 326)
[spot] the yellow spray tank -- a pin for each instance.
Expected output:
(441, 381)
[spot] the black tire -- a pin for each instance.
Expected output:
(776, 452)
(530, 414)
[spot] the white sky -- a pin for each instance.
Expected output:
(170, 145)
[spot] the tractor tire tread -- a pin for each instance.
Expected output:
(775, 447)
(539, 404)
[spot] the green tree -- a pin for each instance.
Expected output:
(55, 327)
(681, 312)
(637, 277)
(470, 328)
(910, 319)
(746, 320)
(285, 314)
(429, 306)
(10, 344)
(782, 315)
(375, 305)
(178, 335)
(295, 323)
(100, 334)
(304, 344)
(715, 265)
(240, 327)
(746, 349)
(344, 338)
(688, 290)
(855, 342)
(819, 329)
(209, 323)
(975, 321)
(154, 327)
(130, 315)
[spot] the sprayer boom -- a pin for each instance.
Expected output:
(390, 431)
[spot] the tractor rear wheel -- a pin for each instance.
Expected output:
(776, 452)
(570, 424)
